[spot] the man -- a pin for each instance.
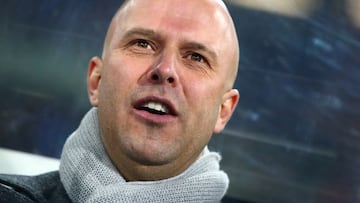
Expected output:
(160, 90)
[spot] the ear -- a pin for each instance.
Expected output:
(93, 80)
(229, 102)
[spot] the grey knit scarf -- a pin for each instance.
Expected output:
(89, 176)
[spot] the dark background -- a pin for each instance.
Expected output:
(294, 136)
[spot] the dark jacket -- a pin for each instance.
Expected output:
(42, 188)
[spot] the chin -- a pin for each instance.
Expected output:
(152, 161)
(154, 157)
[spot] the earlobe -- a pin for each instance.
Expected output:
(93, 80)
(230, 100)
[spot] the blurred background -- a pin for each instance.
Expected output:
(295, 135)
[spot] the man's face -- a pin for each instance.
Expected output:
(164, 81)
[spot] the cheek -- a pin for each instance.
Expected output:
(204, 101)
(113, 84)
(116, 71)
(118, 76)
(203, 95)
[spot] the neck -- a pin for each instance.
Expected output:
(132, 170)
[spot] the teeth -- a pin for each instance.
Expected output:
(157, 107)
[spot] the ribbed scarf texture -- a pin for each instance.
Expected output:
(88, 175)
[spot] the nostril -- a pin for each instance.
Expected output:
(155, 77)
(170, 79)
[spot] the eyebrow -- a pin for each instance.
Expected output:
(141, 31)
(196, 46)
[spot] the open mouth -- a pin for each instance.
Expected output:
(155, 106)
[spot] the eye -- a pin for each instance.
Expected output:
(143, 44)
(197, 57)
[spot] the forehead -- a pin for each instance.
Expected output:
(183, 9)
(175, 18)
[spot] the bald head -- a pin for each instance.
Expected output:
(219, 13)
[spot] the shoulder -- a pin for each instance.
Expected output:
(42, 188)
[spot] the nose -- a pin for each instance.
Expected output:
(164, 72)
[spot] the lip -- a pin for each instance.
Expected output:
(155, 118)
